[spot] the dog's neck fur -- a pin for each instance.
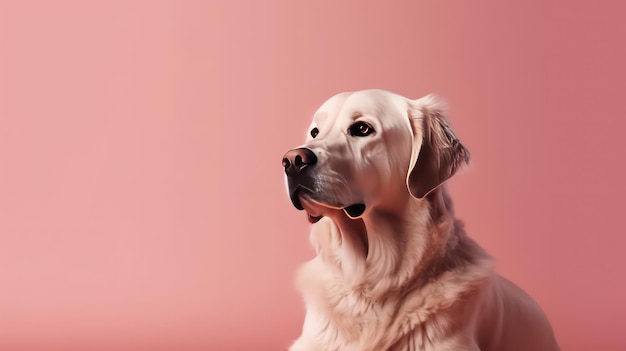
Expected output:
(407, 248)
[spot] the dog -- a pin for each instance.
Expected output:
(395, 270)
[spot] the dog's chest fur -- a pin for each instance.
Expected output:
(344, 311)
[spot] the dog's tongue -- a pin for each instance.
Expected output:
(355, 210)
(313, 219)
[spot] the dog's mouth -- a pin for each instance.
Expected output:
(295, 197)
(297, 203)
(353, 211)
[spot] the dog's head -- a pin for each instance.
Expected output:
(371, 149)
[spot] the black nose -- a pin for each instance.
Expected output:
(297, 160)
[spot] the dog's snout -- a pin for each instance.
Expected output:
(297, 160)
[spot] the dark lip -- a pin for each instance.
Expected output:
(295, 197)
(355, 210)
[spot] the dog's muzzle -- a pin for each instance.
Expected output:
(297, 164)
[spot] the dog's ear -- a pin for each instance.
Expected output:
(436, 152)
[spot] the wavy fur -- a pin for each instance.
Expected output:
(404, 275)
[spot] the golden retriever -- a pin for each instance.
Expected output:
(395, 269)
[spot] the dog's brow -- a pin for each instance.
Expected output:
(356, 115)
(320, 117)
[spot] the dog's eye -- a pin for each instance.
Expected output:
(360, 129)
(314, 132)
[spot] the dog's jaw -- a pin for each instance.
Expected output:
(315, 210)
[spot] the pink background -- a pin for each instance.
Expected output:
(142, 204)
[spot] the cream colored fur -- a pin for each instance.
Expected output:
(403, 275)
